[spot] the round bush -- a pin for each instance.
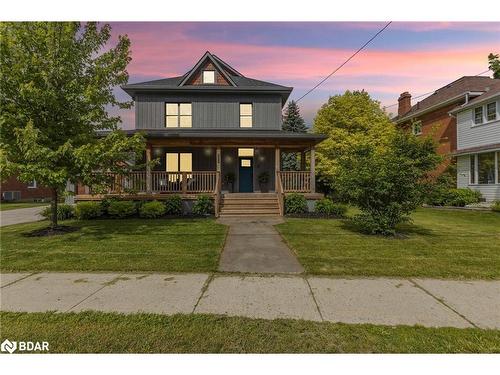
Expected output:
(203, 205)
(295, 204)
(121, 209)
(88, 210)
(152, 210)
(173, 205)
(64, 212)
(326, 206)
(496, 206)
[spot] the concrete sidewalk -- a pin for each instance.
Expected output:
(20, 215)
(427, 302)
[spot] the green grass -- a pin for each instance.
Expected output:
(93, 332)
(439, 243)
(162, 245)
(14, 206)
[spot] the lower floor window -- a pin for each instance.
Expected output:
(179, 162)
(484, 169)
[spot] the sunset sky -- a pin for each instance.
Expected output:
(414, 57)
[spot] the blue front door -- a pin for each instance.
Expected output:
(246, 175)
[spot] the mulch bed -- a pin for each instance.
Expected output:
(49, 231)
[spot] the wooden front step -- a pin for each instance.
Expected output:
(249, 204)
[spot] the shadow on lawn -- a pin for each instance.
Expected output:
(403, 231)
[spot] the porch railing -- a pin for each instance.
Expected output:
(165, 182)
(295, 181)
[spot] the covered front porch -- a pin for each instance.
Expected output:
(194, 165)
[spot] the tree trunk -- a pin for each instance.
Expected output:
(53, 216)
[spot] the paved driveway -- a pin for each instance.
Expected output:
(21, 215)
(254, 246)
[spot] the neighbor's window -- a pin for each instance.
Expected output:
(486, 168)
(245, 115)
(478, 115)
(32, 185)
(416, 127)
(178, 115)
(208, 76)
(491, 111)
(473, 169)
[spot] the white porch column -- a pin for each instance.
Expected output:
(277, 166)
(313, 172)
(218, 159)
(148, 169)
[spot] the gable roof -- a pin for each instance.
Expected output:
(448, 94)
(238, 82)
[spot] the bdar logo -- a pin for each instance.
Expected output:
(8, 346)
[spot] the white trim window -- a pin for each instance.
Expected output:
(416, 127)
(32, 185)
(208, 77)
(246, 115)
(491, 111)
(178, 115)
(478, 115)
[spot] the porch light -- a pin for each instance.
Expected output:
(228, 159)
(208, 151)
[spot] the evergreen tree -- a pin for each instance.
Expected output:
(292, 122)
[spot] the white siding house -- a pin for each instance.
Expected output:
(478, 144)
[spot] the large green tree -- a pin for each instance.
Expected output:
(351, 119)
(292, 122)
(56, 84)
(494, 65)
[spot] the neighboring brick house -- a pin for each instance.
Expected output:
(14, 190)
(431, 115)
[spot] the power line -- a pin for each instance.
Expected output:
(345, 62)
(430, 92)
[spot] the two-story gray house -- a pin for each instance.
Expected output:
(215, 131)
(478, 143)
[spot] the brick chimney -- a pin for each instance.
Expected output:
(404, 103)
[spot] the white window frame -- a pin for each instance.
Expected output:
(495, 112)
(32, 185)
(180, 116)
(413, 127)
(246, 116)
(474, 116)
(205, 82)
(496, 179)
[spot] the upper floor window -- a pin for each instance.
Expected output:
(208, 76)
(32, 185)
(416, 127)
(245, 115)
(178, 115)
(491, 111)
(478, 115)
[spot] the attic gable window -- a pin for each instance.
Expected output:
(208, 76)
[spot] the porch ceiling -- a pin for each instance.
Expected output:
(229, 137)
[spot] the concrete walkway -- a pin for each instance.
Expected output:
(254, 246)
(427, 302)
(20, 215)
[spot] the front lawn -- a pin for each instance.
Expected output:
(94, 332)
(14, 206)
(162, 245)
(439, 243)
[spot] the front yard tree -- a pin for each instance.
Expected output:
(494, 65)
(387, 183)
(56, 82)
(292, 122)
(348, 120)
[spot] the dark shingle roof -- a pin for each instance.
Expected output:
(448, 92)
(491, 93)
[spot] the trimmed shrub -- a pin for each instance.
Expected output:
(295, 204)
(496, 206)
(203, 205)
(64, 212)
(327, 207)
(152, 210)
(88, 210)
(455, 197)
(121, 209)
(173, 205)
(370, 223)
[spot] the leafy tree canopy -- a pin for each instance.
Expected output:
(348, 120)
(494, 65)
(56, 81)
